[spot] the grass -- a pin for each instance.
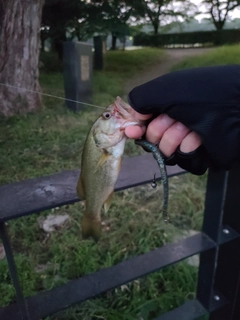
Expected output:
(219, 56)
(51, 141)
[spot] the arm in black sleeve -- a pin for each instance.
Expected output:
(206, 100)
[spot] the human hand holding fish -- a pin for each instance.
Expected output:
(101, 159)
(166, 131)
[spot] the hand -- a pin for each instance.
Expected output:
(179, 145)
(204, 102)
(169, 132)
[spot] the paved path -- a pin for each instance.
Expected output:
(173, 56)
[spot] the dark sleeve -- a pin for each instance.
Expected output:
(206, 100)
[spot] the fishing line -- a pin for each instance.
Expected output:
(50, 95)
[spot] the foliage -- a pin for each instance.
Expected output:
(158, 12)
(74, 18)
(116, 16)
(219, 10)
(64, 20)
(49, 62)
(207, 38)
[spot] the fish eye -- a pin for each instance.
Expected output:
(106, 115)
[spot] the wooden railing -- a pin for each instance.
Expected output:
(218, 292)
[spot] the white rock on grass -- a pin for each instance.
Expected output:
(52, 222)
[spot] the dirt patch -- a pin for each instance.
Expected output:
(173, 56)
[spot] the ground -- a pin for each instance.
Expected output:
(172, 57)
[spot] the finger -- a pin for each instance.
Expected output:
(191, 142)
(135, 132)
(157, 127)
(172, 138)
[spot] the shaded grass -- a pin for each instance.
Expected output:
(218, 56)
(38, 144)
(133, 226)
(119, 66)
(143, 298)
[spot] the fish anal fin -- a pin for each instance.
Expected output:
(107, 203)
(80, 189)
(91, 228)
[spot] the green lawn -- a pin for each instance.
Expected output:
(51, 141)
(219, 56)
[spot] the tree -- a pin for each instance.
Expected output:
(64, 20)
(158, 12)
(115, 16)
(219, 10)
(60, 17)
(20, 23)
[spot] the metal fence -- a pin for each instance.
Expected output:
(218, 290)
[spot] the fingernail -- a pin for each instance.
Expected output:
(165, 118)
(180, 126)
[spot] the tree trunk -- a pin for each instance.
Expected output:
(155, 27)
(19, 54)
(219, 24)
(114, 41)
(123, 43)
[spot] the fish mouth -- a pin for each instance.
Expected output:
(126, 114)
(129, 123)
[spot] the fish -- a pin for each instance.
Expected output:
(101, 162)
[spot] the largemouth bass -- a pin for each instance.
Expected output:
(101, 161)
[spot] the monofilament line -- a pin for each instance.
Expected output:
(50, 95)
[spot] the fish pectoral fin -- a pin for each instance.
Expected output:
(107, 203)
(103, 158)
(91, 228)
(80, 189)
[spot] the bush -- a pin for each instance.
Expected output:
(49, 62)
(189, 38)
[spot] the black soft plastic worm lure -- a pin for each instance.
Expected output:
(160, 161)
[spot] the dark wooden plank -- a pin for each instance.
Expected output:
(35, 195)
(89, 286)
(190, 310)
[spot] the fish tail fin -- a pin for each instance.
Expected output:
(91, 228)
